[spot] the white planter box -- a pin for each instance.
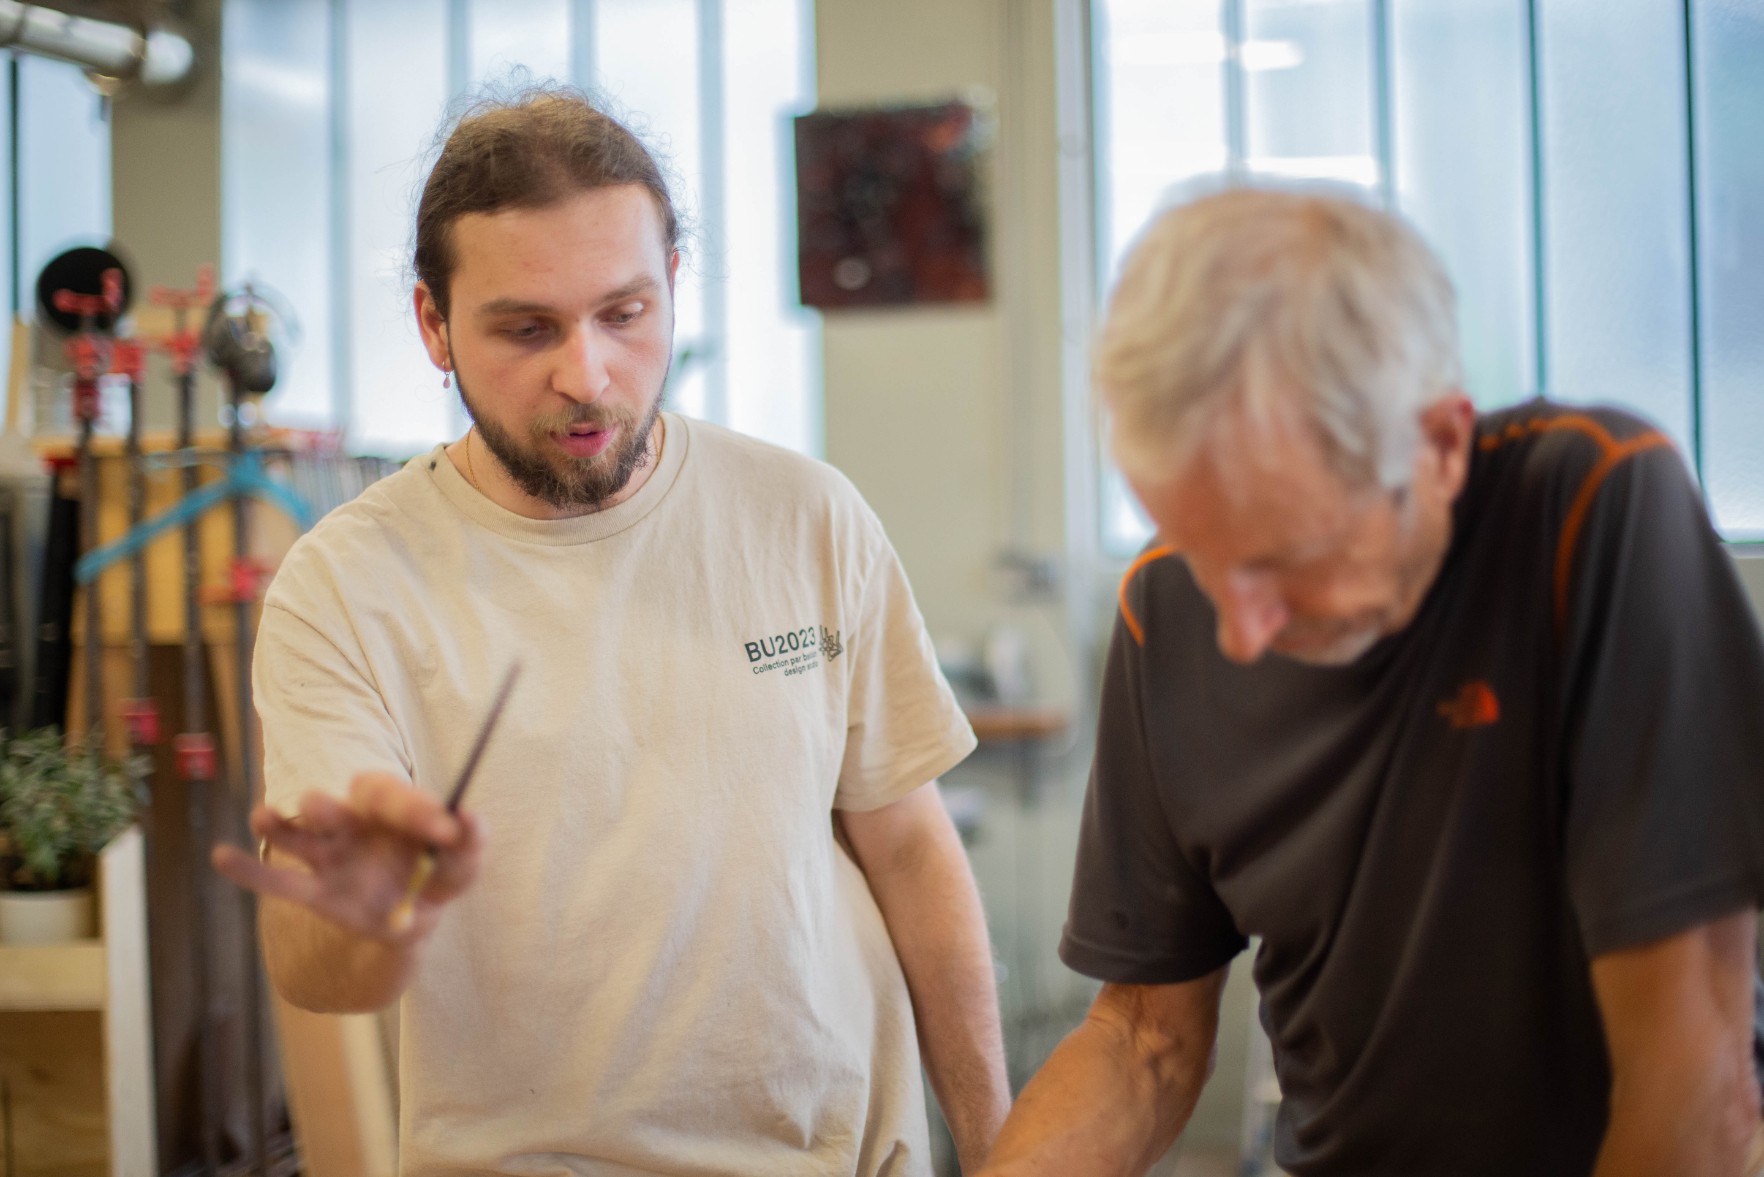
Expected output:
(47, 917)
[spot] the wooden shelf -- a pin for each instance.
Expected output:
(79, 1056)
(995, 723)
(52, 976)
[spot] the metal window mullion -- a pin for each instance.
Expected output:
(459, 47)
(1693, 244)
(1539, 274)
(1236, 91)
(342, 324)
(583, 67)
(713, 209)
(1383, 116)
(15, 174)
(1080, 162)
(1101, 162)
(459, 80)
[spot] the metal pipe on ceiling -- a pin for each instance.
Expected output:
(152, 56)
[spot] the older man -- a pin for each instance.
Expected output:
(1459, 714)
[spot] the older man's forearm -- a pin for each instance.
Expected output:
(1693, 1116)
(1106, 1104)
(1678, 1018)
(1119, 1090)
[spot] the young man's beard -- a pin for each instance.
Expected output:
(582, 484)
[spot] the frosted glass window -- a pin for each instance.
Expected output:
(1125, 527)
(533, 35)
(396, 95)
(1308, 82)
(6, 213)
(327, 130)
(1160, 109)
(1729, 41)
(1462, 123)
(1616, 240)
(276, 185)
(647, 63)
(771, 340)
(64, 166)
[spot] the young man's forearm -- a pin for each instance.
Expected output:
(1115, 1094)
(322, 967)
(947, 957)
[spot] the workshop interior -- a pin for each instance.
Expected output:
(902, 220)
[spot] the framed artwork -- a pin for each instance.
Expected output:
(888, 207)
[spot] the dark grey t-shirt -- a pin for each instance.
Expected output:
(1562, 755)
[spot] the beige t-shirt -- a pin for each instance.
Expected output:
(668, 964)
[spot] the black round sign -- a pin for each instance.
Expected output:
(80, 270)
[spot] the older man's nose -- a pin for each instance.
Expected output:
(1251, 615)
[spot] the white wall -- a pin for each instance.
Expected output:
(1750, 562)
(952, 422)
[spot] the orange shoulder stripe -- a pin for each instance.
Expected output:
(1133, 625)
(1576, 421)
(1614, 454)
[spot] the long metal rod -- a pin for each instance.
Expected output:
(195, 724)
(242, 638)
(93, 651)
(142, 682)
(138, 654)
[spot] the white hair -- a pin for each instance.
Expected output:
(1302, 293)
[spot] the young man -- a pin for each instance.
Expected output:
(703, 880)
(1458, 714)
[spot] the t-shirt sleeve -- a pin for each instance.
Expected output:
(323, 720)
(1140, 913)
(1664, 693)
(904, 727)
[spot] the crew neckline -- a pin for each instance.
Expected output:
(580, 529)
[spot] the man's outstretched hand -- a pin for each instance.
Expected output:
(354, 859)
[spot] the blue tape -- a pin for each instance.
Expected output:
(244, 478)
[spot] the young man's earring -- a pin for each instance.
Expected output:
(447, 378)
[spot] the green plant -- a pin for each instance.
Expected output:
(60, 803)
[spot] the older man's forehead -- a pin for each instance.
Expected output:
(1247, 504)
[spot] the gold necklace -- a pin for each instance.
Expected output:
(470, 472)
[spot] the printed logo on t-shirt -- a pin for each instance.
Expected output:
(795, 651)
(1475, 705)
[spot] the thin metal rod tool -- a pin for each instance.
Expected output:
(425, 867)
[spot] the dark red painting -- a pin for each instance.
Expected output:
(888, 207)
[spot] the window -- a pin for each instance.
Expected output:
(1583, 167)
(330, 106)
(61, 128)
